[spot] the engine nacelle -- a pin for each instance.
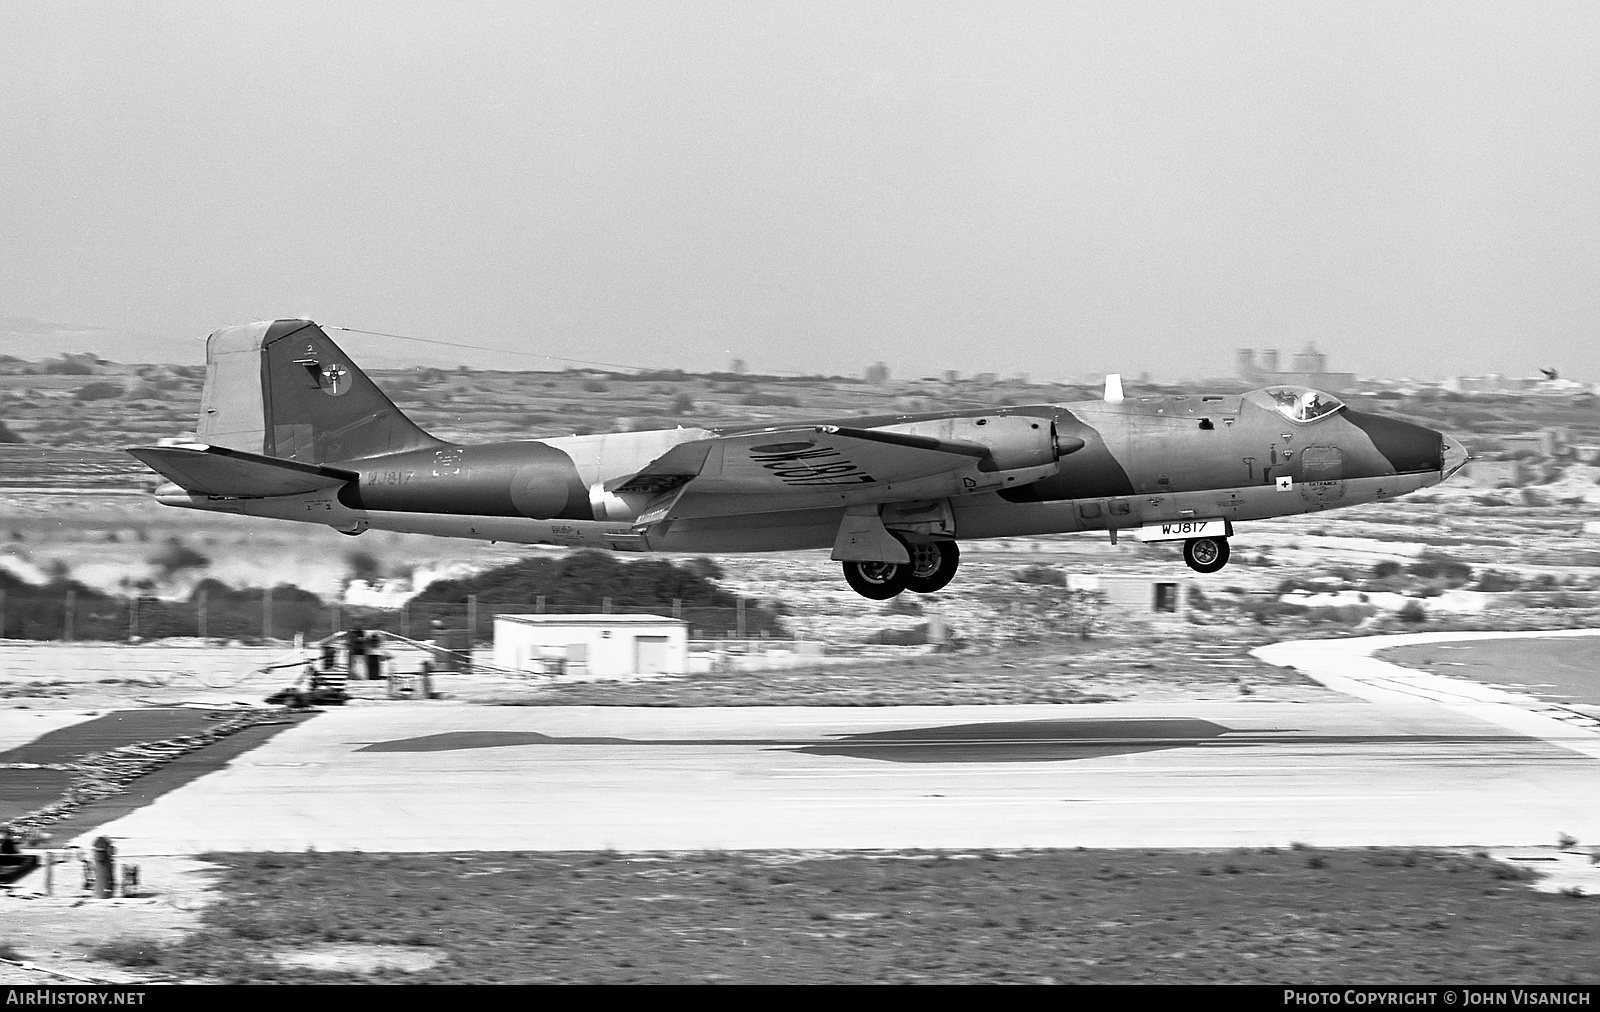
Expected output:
(621, 506)
(1014, 441)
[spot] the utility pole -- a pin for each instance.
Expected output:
(472, 620)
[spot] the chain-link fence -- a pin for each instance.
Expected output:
(74, 612)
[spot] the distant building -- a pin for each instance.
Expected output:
(1139, 596)
(1493, 383)
(1310, 370)
(1498, 383)
(876, 374)
(1551, 442)
(598, 645)
(1495, 473)
(1523, 442)
(1311, 361)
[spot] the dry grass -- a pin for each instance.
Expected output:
(1311, 916)
(1122, 667)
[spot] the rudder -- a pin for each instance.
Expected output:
(284, 389)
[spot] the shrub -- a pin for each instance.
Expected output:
(175, 556)
(130, 952)
(363, 565)
(69, 367)
(759, 399)
(1265, 611)
(1438, 566)
(98, 391)
(580, 581)
(1046, 575)
(904, 604)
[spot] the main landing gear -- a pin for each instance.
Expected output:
(1206, 555)
(933, 564)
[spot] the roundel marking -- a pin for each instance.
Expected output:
(334, 380)
(539, 491)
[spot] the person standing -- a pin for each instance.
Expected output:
(356, 649)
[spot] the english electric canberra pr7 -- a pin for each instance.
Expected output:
(291, 429)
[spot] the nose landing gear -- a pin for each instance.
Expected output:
(1206, 555)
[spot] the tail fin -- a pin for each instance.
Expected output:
(283, 389)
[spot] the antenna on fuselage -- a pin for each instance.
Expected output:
(1114, 388)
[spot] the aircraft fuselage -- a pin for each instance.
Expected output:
(1144, 461)
(292, 429)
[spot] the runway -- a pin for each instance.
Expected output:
(442, 777)
(1406, 758)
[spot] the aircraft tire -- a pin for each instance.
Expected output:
(1206, 555)
(877, 581)
(933, 566)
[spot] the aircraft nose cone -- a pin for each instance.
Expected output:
(1455, 456)
(1408, 448)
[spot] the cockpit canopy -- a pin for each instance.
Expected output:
(1302, 404)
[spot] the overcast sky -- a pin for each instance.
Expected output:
(1058, 189)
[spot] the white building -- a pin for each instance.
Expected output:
(601, 645)
(1139, 596)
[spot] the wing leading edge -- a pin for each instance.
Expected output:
(810, 467)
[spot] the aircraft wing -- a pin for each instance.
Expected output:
(218, 470)
(799, 468)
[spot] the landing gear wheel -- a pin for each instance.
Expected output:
(1206, 555)
(933, 565)
(877, 580)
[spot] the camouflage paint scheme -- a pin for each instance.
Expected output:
(290, 428)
